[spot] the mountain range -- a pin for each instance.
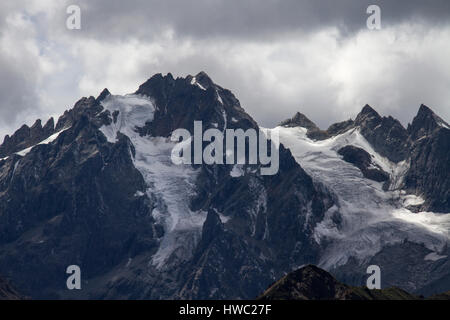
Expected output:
(98, 189)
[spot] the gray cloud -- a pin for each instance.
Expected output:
(249, 18)
(16, 91)
(277, 56)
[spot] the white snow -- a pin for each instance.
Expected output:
(441, 123)
(433, 256)
(194, 82)
(371, 217)
(412, 200)
(170, 186)
(134, 111)
(237, 171)
(225, 124)
(46, 141)
(219, 97)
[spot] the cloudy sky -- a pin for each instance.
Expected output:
(277, 56)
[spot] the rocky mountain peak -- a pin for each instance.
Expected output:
(385, 134)
(299, 120)
(37, 125)
(204, 80)
(26, 136)
(157, 85)
(105, 92)
(425, 122)
(367, 113)
(181, 101)
(49, 125)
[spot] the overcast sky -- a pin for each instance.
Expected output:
(277, 56)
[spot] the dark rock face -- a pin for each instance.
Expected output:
(277, 239)
(179, 103)
(7, 292)
(386, 135)
(26, 137)
(300, 120)
(429, 174)
(313, 283)
(425, 123)
(340, 127)
(361, 159)
(73, 201)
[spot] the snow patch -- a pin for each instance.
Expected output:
(194, 82)
(412, 200)
(219, 98)
(225, 124)
(237, 171)
(134, 111)
(433, 256)
(443, 124)
(50, 139)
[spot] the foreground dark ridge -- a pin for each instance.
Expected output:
(313, 283)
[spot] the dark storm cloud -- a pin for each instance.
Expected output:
(247, 18)
(277, 56)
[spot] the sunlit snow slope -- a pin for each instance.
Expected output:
(368, 217)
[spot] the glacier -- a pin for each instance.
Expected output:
(170, 186)
(370, 217)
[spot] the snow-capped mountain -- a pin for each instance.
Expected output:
(383, 208)
(99, 190)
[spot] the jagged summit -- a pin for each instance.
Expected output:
(105, 92)
(26, 136)
(425, 123)
(299, 120)
(366, 114)
(160, 81)
(367, 109)
(203, 79)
